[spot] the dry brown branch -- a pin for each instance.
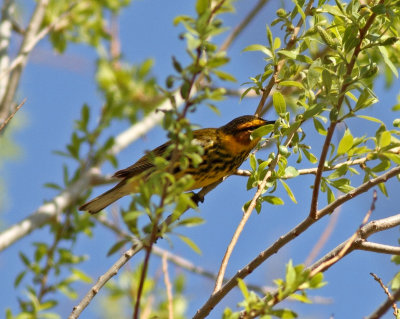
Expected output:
(384, 307)
(386, 290)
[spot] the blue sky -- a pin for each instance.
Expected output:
(56, 88)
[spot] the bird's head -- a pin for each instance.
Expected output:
(238, 131)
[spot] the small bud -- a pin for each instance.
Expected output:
(281, 13)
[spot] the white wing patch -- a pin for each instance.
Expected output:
(203, 142)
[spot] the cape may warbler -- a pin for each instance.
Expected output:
(225, 149)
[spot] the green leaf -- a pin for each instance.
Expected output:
(279, 102)
(384, 139)
(387, 61)
(291, 172)
(274, 200)
(291, 276)
(117, 246)
(345, 143)
(262, 131)
(290, 54)
(47, 305)
(370, 118)
(243, 288)
(292, 83)
(277, 43)
(224, 75)
(365, 99)
(383, 189)
(342, 184)
(395, 282)
(190, 243)
(258, 47)
(283, 313)
(330, 195)
(310, 156)
(289, 191)
(80, 275)
(201, 6)
(301, 298)
(24, 259)
(53, 186)
(269, 36)
(19, 278)
(319, 126)
(253, 162)
(191, 221)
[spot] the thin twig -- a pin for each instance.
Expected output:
(3, 125)
(366, 231)
(168, 287)
(378, 248)
(387, 292)
(103, 279)
(384, 307)
(12, 84)
(346, 247)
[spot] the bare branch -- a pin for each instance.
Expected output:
(383, 308)
(7, 11)
(328, 263)
(77, 310)
(357, 191)
(386, 290)
(292, 234)
(3, 125)
(378, 248)
(371, 228)
(12, 84)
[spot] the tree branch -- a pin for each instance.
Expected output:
(383, 308)
(31, 32)
(288, 237)
(77, 310)
(7, 11)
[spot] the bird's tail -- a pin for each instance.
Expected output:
(107, 198)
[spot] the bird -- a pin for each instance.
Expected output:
(225, 149)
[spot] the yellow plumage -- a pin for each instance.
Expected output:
(225, 149)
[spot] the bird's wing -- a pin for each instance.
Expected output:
(143, 164)
(200, 137)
